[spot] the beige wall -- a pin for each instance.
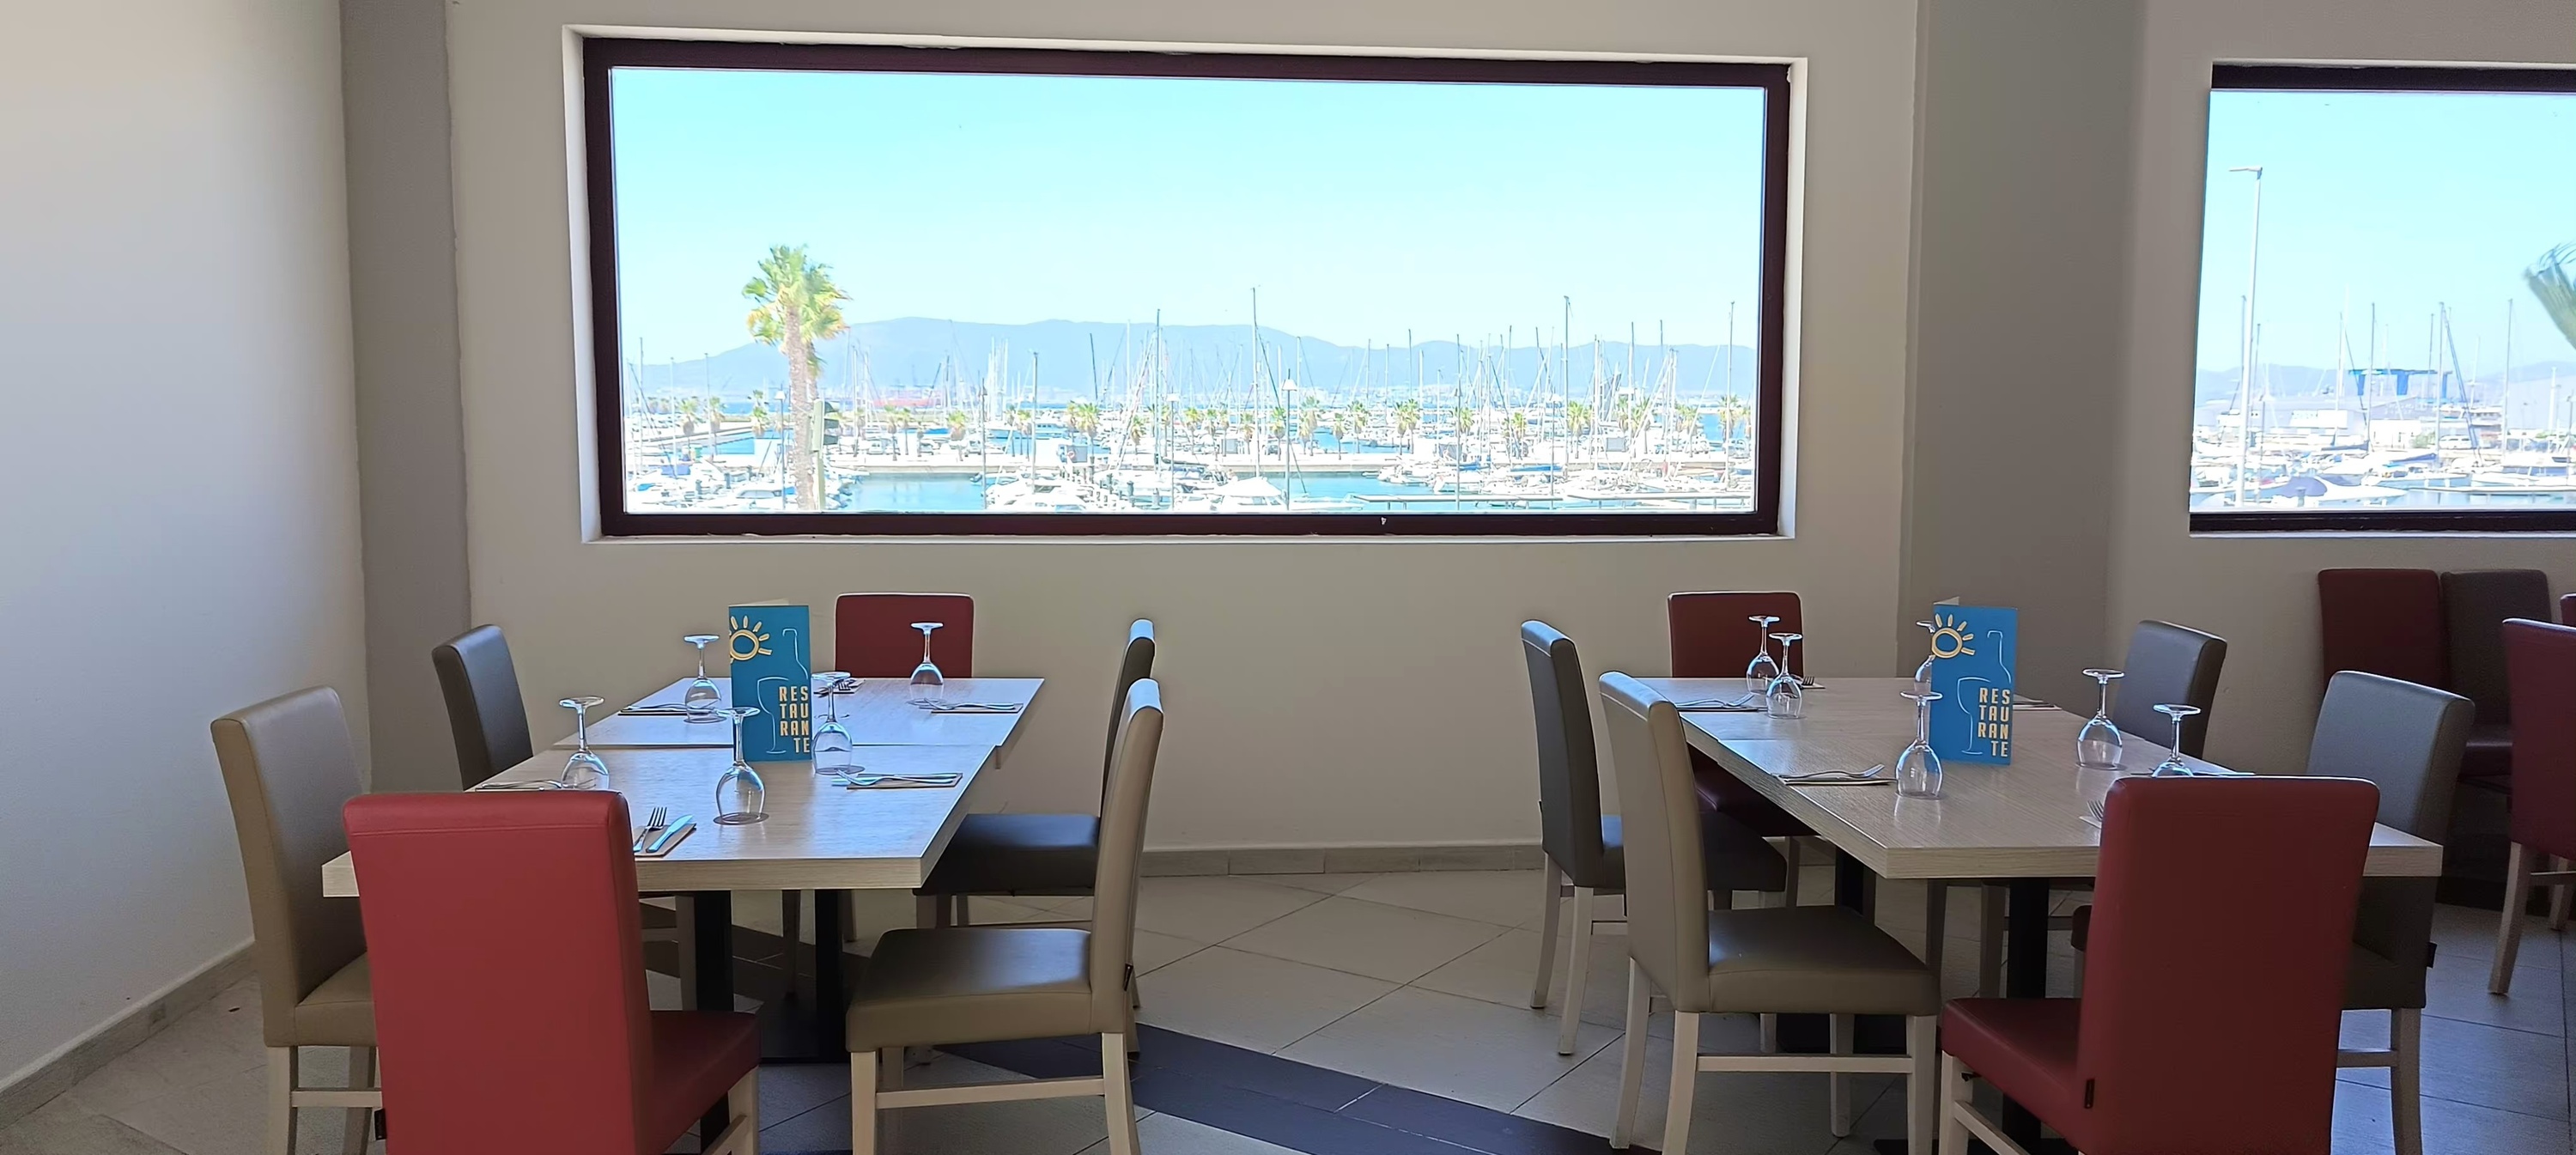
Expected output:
(2260, 592)
(182, 532)
(411, 432)
(1304, 676)
(2021, 211)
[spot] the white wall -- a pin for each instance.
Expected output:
(182, 532)
(1303, 676)
(2260, 592)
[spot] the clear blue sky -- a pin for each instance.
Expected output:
(2403, 199)
(1358, 210)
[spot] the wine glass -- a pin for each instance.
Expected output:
(740, 796)
(2097, 746)
(1918, 769)
(2173, 766)
(702, 697)
(1784, 698)
(1923, 673)
(1758, 674)
(584, 769)
(833, 747)
(926, 679)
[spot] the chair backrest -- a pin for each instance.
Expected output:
(1659, 824)
(484, 710)
(1569, 768)
(2383, 621)
(2567, 609)
(2168, 665)
(2475, 605)
(2211, 1006)
(2541, 659)
(288, 768)
(2407, 740)
(1122, 850)
(508, 967)
(872, 634)
(1135, 664)
(1710, 637)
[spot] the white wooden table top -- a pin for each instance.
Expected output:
(877, 713)
(820, 836)
(2021, 820)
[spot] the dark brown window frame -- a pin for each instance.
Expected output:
(2383, 78)
(600, 54)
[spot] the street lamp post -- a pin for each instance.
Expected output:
(2245, 375)
(1288, 445)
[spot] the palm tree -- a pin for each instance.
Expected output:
(1359, 412)
(1578, 418)
(957, 419)
(688, 418)
(759, 412)
(1686, 421)
(794, 305)
(1516, 433)
(1463, 419)
(1309, 420)
(1408, 417)
(715, 422)
(1731, 411)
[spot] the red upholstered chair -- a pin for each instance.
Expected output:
(2384, 621)
(2210, 1009)
(509, 983)
(2540, 661)
(872, 634)
(1712, 638)
(2567, 610)
(2476, 604)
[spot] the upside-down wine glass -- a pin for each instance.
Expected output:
(2097, 745)
(1918, 769)
(1758, 674)
(741, 798)
(584, 769)
(926, 679)
(2173, 766)
(1784, 698)
(833, 747)
(1923, 673)
(702, 697)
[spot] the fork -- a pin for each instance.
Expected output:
(654, 823)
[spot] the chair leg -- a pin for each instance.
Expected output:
(2517, 894)
(1117, 1098)
(1685, 1079)
(1956, 1096)
(1990, 941)
(362, 1075)
(685, 907)
(1576, 964)
(1838, 1106)
(742, 1126)
(2558, 897)
(281, 1100)
(1632, 1059)
(863, 1102)
(2405, 1079)
(1922, 1109)
(1546, 936)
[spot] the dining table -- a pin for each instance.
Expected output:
(821, 834)
(2022, 824)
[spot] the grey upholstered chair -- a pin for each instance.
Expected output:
(288, 768)
(1585, 850)
(1772, 960)
(2408, 740)
(1038, 854)
(2168, 665)
(484, 711)
(969, 984)
(489, 722)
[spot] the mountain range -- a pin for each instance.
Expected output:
(1083, 360)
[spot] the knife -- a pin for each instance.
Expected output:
(669, 835)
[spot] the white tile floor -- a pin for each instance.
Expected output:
(1419, 980)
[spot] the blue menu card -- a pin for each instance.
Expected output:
(773, 670)
(1972, 670)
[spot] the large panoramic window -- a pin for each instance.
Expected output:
(2387, 301)
(862, 289)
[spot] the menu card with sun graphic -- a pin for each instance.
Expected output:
(773, 670)
(1972, 670)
